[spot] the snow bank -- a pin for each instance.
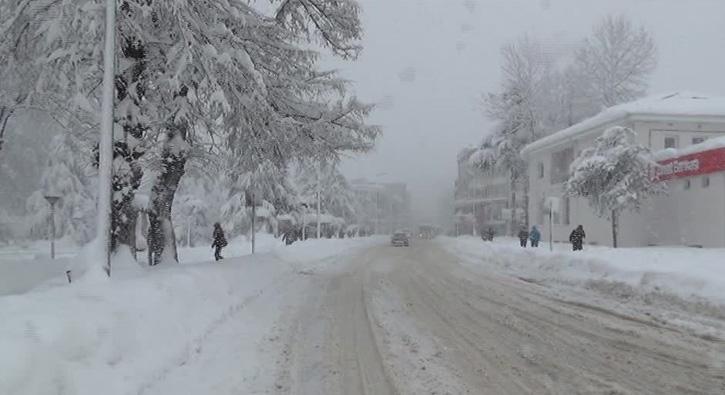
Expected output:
(689, 273)
(122, 335)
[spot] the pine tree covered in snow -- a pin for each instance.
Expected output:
(614, 175)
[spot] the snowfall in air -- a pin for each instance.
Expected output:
(362, 197)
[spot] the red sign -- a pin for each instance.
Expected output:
(696, 164)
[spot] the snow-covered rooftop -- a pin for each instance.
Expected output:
(681, 104)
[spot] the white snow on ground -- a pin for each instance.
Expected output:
(689, 273)
(127, 334)
(416, 354)
(28, 265)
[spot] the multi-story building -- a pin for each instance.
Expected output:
(483, 199)
(383, 206)
(672, 122)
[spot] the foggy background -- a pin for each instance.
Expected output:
(427, 62)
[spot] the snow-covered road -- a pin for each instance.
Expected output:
(413, 320)
(356, 317)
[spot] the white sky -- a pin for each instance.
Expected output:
(427, 61)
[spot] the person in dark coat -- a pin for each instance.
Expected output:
(490, 233)
(219, 241)
(577, 238)
(523, 236)
(534, 236)
(290, 235)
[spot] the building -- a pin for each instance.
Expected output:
(383, 206)
(693, 212)
(482, 199)
(672, 123)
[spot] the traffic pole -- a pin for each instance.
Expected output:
(551, 225)
(254, 217)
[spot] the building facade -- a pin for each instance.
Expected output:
(669, 123)
(482, 200)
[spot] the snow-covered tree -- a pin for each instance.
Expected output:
(617, 59)
(17, 73)
(614, 175)
(219, 76)
(271, 188)
(69, 176)
(325, 178)
(519, 112)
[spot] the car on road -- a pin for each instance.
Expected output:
(400, 239)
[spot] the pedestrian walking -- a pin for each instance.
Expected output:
(577, 237)
(534, 236)
(219, 241)
(290, 235)
(490, 233)
(523, 236)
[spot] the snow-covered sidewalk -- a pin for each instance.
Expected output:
(27, 266)
(689, 273)
(128, 333)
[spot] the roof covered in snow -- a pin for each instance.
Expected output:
(678, 104)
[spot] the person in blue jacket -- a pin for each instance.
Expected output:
(534, 236)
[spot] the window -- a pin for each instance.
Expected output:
(705, 182)
(541, 169)
(559, 168)
(670, 142)
(567, 211)
(697, 140)
(687, 184)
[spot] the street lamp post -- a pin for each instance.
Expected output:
(52, 200)
(377, 211)
(105, 147)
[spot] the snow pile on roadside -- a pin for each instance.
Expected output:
(693, 274)
(122, 335)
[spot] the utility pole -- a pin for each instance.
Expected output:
(318, 200)
(377, 211)
(52, 200)
(475, 218)
(105, 147)
(254, 218)
(188, 232)
(551, 224)
(318, 214)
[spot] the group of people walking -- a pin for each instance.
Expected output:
(576, 237)
(534, 236)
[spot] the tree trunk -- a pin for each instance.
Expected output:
(526, 203)
(161, 236)
(5, 114)
(614, 228)
(124, 214)
(513, 207)
(127, 152)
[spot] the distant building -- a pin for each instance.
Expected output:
(483, 199)
(693, 213)
(383, 207)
